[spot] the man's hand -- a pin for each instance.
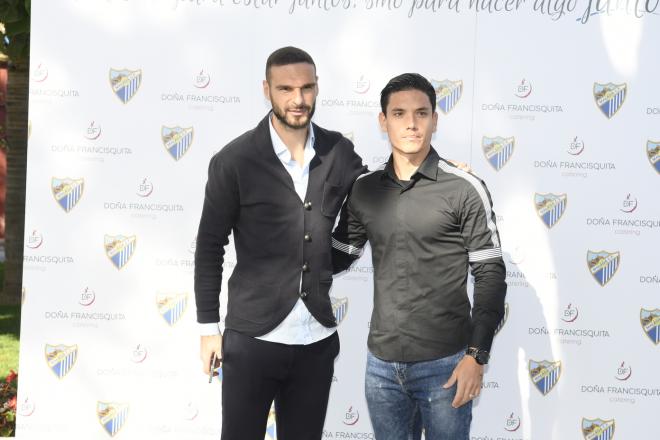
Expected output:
(468, 375)
(208, 346)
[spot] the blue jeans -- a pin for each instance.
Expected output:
(404, 397)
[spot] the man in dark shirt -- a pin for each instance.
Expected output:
(278, 188)
(427, 222)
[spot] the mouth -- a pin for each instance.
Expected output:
(298, 111)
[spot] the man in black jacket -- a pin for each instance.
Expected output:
(278, 188)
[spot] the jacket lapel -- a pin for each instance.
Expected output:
(267, 153)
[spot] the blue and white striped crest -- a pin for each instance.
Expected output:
(61, 358)
(177, 140)
(650, 320)
(544, 374)
(67, 191)
(609, 97)
(125, 83)
(339, 308)
(603, 265)
(550, 207)
(597, 429)
(498, 150)
(120, 249)
(447, 94)
(653, 152)
(112, 416)
(504, 318)
(172, 306)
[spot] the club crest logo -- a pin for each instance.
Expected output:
(603, 265)
(610, 97)
(112, 416)
(650, 320)
(125, 83)
(498, 150)
(271, 426)
(339, 308)
(120, 249)
(172, 306)
(177, 140)
(67, 192)
(448, 93)
(550, 207)
(597, 429)
(544, 374)
(653, 153)
(61, 358)
(504, 318)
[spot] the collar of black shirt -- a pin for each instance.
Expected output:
(428, 168)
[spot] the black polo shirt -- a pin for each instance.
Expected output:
(424, 234)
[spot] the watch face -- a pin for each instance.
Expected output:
(482, 358)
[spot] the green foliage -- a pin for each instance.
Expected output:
(10, 324)
(15, 15)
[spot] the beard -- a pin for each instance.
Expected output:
(292, 122)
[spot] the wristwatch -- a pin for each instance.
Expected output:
(481, 356)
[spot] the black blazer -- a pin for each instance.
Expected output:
(277, 236)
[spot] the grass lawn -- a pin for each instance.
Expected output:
(10, 324)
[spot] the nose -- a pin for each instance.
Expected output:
(411, 122)
(298, 97)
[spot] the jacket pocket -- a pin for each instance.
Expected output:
(333, 196)
(251, 301)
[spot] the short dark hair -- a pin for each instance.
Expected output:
(406, 81)
(287, 55)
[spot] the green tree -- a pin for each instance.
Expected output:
(15, 45)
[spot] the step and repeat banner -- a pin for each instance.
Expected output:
(554, 103)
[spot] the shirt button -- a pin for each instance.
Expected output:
(305, 267)
(308, 205)
(308, 237)
(303, 294)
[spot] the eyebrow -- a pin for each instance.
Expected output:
(312, 84)
(399, 109)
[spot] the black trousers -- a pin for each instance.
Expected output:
(296, 377)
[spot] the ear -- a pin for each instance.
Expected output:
(435, 121)
(382, 120)
(266, 90)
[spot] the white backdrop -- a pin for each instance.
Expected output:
(555, 104)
